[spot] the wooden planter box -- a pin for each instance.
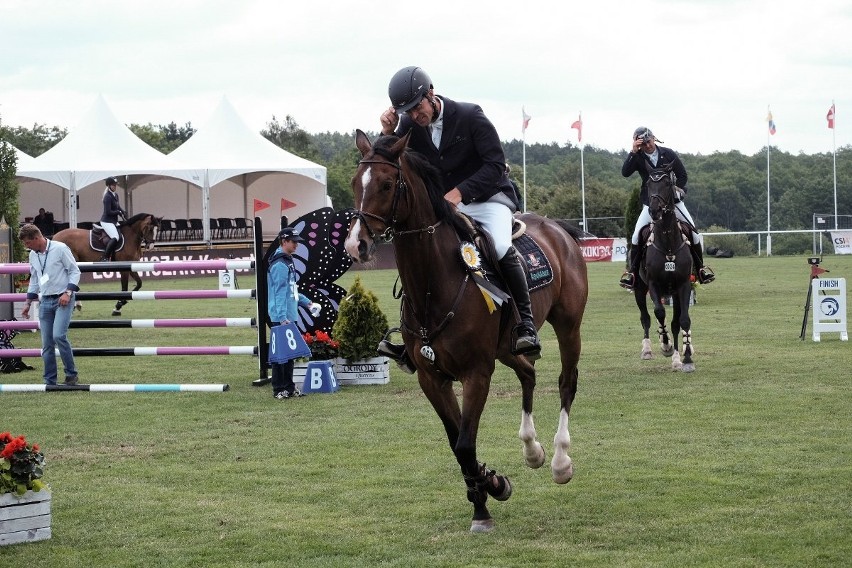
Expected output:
(374, 371)
(26, 518)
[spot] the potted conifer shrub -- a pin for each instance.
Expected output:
(359, 328)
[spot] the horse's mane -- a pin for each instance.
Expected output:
(431, 177)
(136, 218)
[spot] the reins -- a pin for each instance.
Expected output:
(392, 231)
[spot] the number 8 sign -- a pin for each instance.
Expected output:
(286, 343)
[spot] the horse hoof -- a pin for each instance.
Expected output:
(484, 526)
(668, 351)
(646, 356)
(116, 313)
(688, 368)
(563, 473)
(536, 459)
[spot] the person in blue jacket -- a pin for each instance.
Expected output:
(283, 301)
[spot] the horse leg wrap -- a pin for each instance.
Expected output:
(498, 486)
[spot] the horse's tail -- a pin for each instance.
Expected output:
(575, 232)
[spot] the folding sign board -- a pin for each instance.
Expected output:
(286, 343)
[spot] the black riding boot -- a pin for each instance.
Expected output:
(395, 351)
(526, 342)
(110, 250)
(628, 279)
(705, 274)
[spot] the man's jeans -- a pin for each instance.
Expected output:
(54, 320)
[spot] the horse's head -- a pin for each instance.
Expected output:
(661, 191)
(146, 227)
(378, 189)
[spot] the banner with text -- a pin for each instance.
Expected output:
(842, 242)
(613, 250)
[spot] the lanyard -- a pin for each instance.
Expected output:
(38, 256)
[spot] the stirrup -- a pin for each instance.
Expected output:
(705, 275)
(396, 352)
(526, 343)
(628, 281)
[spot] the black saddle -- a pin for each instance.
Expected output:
(99, 239)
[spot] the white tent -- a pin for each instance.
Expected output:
(229, 154)
(24, 159)
(99, 147)
(218, 172)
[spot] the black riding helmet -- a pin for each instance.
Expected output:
(111, 181)
(407, 88)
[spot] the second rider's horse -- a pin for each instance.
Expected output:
(665, 271)
(138, 232)
(450, 334)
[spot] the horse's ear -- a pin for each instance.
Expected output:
(401, 144)
(362, 142)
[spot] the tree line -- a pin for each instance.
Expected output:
(727, 190)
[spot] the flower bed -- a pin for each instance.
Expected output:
(24, 498)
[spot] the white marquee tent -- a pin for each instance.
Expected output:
(229, 154)
(219, 171)
(99, 147)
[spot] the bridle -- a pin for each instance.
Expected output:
(149, 229)
(391, 221)
(666, 202)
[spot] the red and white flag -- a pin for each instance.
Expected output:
(830, 116)
(578, 124)
(526, 120)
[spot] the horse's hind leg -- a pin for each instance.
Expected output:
(533, 452)
(561, 466)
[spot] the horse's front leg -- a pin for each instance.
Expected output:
(640, 294)
(124, 285)
(685, 324)
(480, 481)
(666, 344)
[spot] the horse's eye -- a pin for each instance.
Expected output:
(387, 185)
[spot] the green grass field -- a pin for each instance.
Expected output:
(746, 462)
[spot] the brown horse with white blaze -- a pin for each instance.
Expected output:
(138, 232)
(449, 333)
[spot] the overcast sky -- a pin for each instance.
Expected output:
(700, 73)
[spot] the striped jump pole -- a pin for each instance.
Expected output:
(138, 323)
(141, 351)
(140, 266)
(149, 295)
(116, 388)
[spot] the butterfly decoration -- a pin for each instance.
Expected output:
(320, 260)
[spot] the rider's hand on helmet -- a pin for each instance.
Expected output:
(389, 120)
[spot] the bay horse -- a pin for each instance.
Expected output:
(448, 331)
(138, 232)
(666, 271)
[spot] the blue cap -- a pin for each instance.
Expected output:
(290, 234)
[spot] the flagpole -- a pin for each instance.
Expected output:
(525, 170)
(834, 152)
(768, 234)
(524, 121)
(583, 180)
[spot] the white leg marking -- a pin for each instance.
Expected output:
(533, 452)
(561, 466)
(647, 353)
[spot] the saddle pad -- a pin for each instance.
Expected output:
(539, 271)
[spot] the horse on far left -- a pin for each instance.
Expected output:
(137, 233)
